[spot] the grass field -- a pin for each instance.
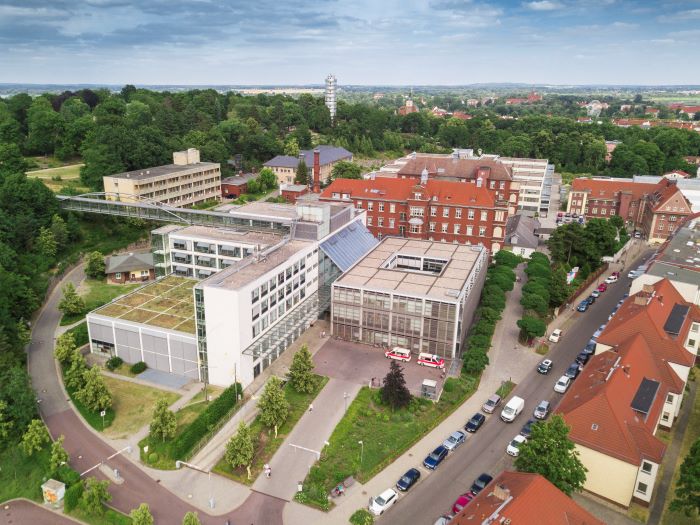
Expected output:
(265, 442)
(58, 177)
(133, 406)
(95, 294)
(21, 476)
(386, 434)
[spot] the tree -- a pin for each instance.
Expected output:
(395, 393)
(11, 160)
(302, 176)
(71, 303)
(267, 179)
(273, 405)
(75, 375)
(301, 372)
(95, 496)
(475, 360)
(506, 258)
(558, 289)
(240, 449)
(94, 393)
(59, 456)
(46, 242)
(141, 515)
(191, 518)
(550, 452)
(59, 230)
(535, 302)
(291, 147)
(6, 423)
(95, 265)
(65, 346)
(164, 422)
(687, 497)
(531, 327)
(346, 170)
(35, 437)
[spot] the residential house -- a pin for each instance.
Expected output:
(130, 268)
(285, 166)
(521, 236)
(234, 187)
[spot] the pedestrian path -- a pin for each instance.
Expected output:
(299, 452)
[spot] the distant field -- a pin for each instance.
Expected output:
(57, 178)
(689, 99)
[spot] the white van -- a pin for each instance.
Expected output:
(432, 360)
(512, 409)
(398, 353)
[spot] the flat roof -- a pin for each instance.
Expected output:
(681, 256)
(252, 267)
(159, 171)
(227, 234)
(368, 272)
(261, 210)
(166, 303)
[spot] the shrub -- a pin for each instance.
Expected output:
(80, 333)
(139, 367)
(195, 431)
(483, 327)
(361, 517)
(153, 458)
(67, 475)
(72, 497)
(475, 361)
(115, 362)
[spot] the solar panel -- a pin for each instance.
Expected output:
(676, 318)
(644, 397)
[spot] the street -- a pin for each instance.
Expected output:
(485, 450)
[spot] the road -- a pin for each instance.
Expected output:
(87, 449)
(485, 450)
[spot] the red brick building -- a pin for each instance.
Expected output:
(233, 187)
(291, 192)
(655, 209)
(430, 209)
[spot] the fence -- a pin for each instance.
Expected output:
(215, 429)
(592, 277)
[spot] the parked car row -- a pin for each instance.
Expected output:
(424, 359)
(602, 287)
(566, 218)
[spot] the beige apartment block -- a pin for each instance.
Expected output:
(184, 183)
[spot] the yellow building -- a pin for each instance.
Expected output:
(285, 166)
(184, 183)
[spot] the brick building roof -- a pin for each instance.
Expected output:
(455, 168)
(608, 188)
(535, 501)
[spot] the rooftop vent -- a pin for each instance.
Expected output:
(594, 426)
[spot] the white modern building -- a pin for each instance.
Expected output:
(535, 177)
(331, 103)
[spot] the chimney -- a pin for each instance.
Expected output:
(640, 299)
(648, 288)
(317, 171)
(501, 492)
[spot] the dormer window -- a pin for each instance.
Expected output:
(335, 195)
(417, 196)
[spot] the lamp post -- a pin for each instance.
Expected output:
(179, 464)
(362, 450)
(345, 397)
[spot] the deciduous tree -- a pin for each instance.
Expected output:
(346, 170)
(94, 393)
(301, 372)
(191, 518)
(163, 422)
(550, 452)
(531, 327)
(141, 515)
(47, 244)
(65, 346)
(273, 405)
(240, 448)
(59, 455)
(71, 303)
(395, 393)
(95, 265)
(6, 423)
(687, 497)
(35, 437)
(95, 496)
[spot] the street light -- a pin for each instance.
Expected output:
(179, 464)
(345, 397)
(362, 450)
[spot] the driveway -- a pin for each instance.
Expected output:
(358, 364)
(20, 511)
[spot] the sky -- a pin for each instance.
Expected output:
(371, 42)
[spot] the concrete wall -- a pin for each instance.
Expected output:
(608, 477)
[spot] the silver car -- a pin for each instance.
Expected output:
(542, 410)
(491, 404)
(456, 439)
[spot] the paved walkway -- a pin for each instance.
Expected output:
(21, 511)
(290, 465)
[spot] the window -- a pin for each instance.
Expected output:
(416, 211)
(391, 223)
(672, 218)
(380, 222)
(691, 343)
(381, 206)
(603, 211)
(369, 221)
(484, 215)
(370, 206)
(470, 214)
(501, 185)
(445, 212)
(444, 227)
(470, 230)
(456, 228)
(670, 227)
(432, 226)
(664, 416)
(458, 213)
(669, 398)
(358, 205)
(482, 231)
(499, 216)
(415, 228)
(492, 184)
(433, 211)
(642, 488)
(118, 275)
(595, 211)
(254, 295)
(392, 208)
(646, 467)
(402, 216)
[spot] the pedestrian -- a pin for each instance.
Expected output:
(267, 471)
(311, 407)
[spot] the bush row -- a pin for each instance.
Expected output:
(183, 444)
(536, 297)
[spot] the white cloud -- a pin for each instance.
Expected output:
(543, 5)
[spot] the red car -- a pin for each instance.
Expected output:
(602, 287)
(462, 502)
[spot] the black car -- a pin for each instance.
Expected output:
(590, 299)
(480, 483)
(573, 371)
(545, 366)
(582, 306)
(526, 431)
(408, 480)
(435, 458)
(590, 348)
(475, 422)
(582, 358)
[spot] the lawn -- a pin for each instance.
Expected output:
(95, 293)
(266, 444)
(133, 406)
(110, 517)
(22, 476)
(386, 435)
(58, 177)
(692, 433)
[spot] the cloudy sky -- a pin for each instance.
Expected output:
(361, 41)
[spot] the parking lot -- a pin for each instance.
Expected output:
(360, 363)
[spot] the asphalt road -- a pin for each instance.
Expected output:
(485, 451)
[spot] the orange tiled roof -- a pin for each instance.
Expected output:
(402, 190)
(455, 168)
(535, 501)
(607, 188)
(662, 196)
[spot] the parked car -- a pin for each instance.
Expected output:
(560, 214)
(462, 502)
(513, 448)
(383, 502)
(590, 348)
(475, 422)
(591, 299)
(445, 519)
(599, 331)
(513, 407)
(408, 479)
(434, 361)
(633, 274)
(582, 358)
(527, 428)
(454, 440)
(562, 385)
(545, 366)
(595, 294)
(435, 458)
(398, 353)
(614, 311)
(637, 235)
(555, 335)
(582, 306)
(611, 279)
(491, 404)
(542, 410)
(480, 483)
(602, 287)
(573, 371)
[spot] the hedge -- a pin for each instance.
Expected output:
(195, 431)
(80, 333)
(71, 499)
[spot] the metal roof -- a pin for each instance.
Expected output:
(128, 262)
(348, 245)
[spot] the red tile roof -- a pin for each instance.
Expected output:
(455, 168)
(535, 501)
(607, 188)
(598, 408)
(667, 193)
(402, 190)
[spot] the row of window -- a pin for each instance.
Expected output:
(418, 211)
(268, 320)
(268, 301)
(286, 275)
